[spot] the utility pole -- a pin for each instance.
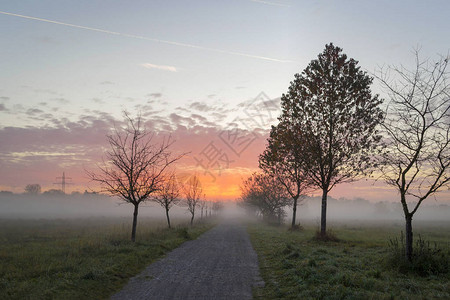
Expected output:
(63, 182)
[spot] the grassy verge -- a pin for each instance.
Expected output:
(295, 266)
(79, 259)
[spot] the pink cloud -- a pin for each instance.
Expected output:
(40, 154)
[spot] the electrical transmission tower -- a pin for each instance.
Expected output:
(63, 182)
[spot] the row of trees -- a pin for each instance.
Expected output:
(334, 130)
(36, 189)
(138, 169)
(172, 191)
(264, 195)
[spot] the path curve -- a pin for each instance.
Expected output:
(220, 264)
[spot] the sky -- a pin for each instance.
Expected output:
(210, 73)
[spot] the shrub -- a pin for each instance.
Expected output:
(427, 259)
(184, 233)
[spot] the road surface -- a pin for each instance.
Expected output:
(220, 264)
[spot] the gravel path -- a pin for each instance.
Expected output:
(220, 264)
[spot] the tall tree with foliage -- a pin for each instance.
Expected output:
(284, 159)
(417, 134)
(332, 106)
(135, 166)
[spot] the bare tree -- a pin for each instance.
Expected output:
(284, 158)
(217, 207)
(135, 165)
(203, 208)
(266, 194)
(168, 195)
(192, 191)
(33, 189)
(417, 134)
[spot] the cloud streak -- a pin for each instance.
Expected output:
(160, 67)
(271, 3)
(149, 39)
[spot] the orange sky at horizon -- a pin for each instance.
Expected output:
(69, 72)
(221, 177)
(226, 187)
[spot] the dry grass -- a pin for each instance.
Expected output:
(79, 259)
(295, 265)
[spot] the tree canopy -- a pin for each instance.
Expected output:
(265, 194)
(331, 104)
(284, 160)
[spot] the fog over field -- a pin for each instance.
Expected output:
(76, 206)
(94, 205)
(360, 209)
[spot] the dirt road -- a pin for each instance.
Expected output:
(220, 264)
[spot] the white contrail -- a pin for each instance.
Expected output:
(147, 38)
(271, 3)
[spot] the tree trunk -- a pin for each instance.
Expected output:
(192, 219)
(323, 217)
(294, 212)
(167, 215)
(409, 238)
(133, 229)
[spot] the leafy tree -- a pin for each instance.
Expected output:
(331, 105)
(416, 160)
(135, 166)
(266, 194)
(284, 159)
(168, 195)
(33, 189)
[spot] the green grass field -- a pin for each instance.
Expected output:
(79, 259)
(295, 266)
